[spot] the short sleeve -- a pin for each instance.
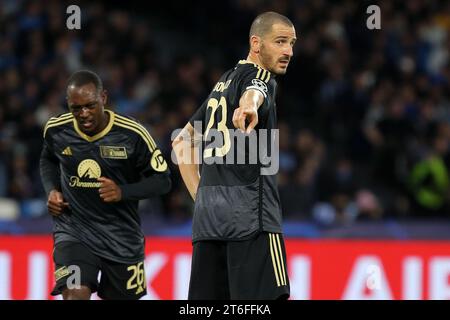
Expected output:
(149, 157)
(199, 116)
(257, 78)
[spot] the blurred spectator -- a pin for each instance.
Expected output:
(429, 178)
(369, 207)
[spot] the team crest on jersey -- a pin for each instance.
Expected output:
(88, 172)
(113, 152)
(260, 84)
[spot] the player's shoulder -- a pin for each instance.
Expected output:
(131, 126)
(128, 123)
(246, 68)
(58, 122)
(123, 117)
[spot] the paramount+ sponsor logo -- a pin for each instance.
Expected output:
(88, 173)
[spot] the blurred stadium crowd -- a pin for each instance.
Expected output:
(364, 115)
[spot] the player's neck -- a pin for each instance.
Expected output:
(255, 59)
(104, 122)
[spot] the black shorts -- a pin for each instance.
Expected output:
(250, 269)
(118, 281)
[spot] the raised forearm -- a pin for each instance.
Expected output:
(251, 99)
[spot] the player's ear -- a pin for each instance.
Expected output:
(255, 44)
(104, 97)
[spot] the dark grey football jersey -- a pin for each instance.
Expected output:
(234, 200)
(124, 152)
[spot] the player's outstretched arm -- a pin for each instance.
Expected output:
(185, 151)
(249, 103)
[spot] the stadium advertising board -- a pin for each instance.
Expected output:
(318, 269)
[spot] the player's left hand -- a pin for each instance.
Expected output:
(109, 190)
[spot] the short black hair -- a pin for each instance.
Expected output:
(82, 77)
(263, 23)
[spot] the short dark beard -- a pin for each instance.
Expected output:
(263, 56)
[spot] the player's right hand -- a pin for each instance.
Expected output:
(56, 203)
(247, 111)
(243, 114)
